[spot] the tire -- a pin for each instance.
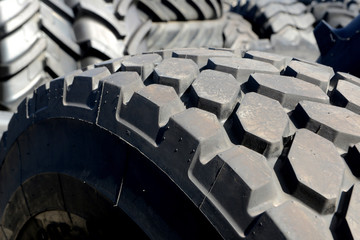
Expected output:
(41, 40)
(178, 148)
(337, 14)
(37, 45)
(205, 144)
(177, 24)
(287, 24)
(238, 34)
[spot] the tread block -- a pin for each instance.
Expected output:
(216, 92)
(310, 73)
(87, 31)
(262, 124)
(150, 108)
(338, 125)
(117, 90)
(275, 8)
(183, 8)
(353, 212)
(84, 87)
(319, 189)
(200, 56)
(105, 13)
(19, 14)
(60, 28)
(290, 220)
(192, 137)
(347, 77)
(177, 73)
(347, 95)
(280, 62)
(244, 180)
(142, 64)
(113, 65)
(241, 68)
(289, 91)
(281, 20)
(16, 44)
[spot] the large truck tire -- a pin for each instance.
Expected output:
(43, 39)
(186, 144)
(286, 23)
(178, 24)
(37, 44)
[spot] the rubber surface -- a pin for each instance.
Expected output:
(37, 43)
(175, 24)
(286, 23)
(248, 144)
(41, 40)
(337, 14)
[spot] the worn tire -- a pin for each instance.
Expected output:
(246, 144)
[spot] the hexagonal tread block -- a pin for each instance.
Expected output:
(289, 91)
(353, 212)
(290, 220)
(347, 77)
(241, 68)
(177, 73)
(336, 124)
(314, 171)
(347, 95)
(278, 61)
(118, 89)
(200, 56)
(192, 137)
(142, 64)
(157, 103)
(113, 65)
(216, 92)
(80, 89)
(262, 123)
(243, 179)
(311, 73)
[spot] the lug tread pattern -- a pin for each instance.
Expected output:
(195, 146)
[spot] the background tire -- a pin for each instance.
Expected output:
(287, 24)
(207, 139)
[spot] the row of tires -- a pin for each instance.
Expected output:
(41, 40)
(183, 143)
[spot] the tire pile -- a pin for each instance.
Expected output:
(178, 119)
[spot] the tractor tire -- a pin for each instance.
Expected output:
(177, 24)
(37, 44)
(186, 144)
(286, 23)
(337, 14)
(44, 39)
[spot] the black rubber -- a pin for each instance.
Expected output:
(337, 14)
(286, 23)
(203, 144)
(37, 44)
(175, 24)
(44, 39)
